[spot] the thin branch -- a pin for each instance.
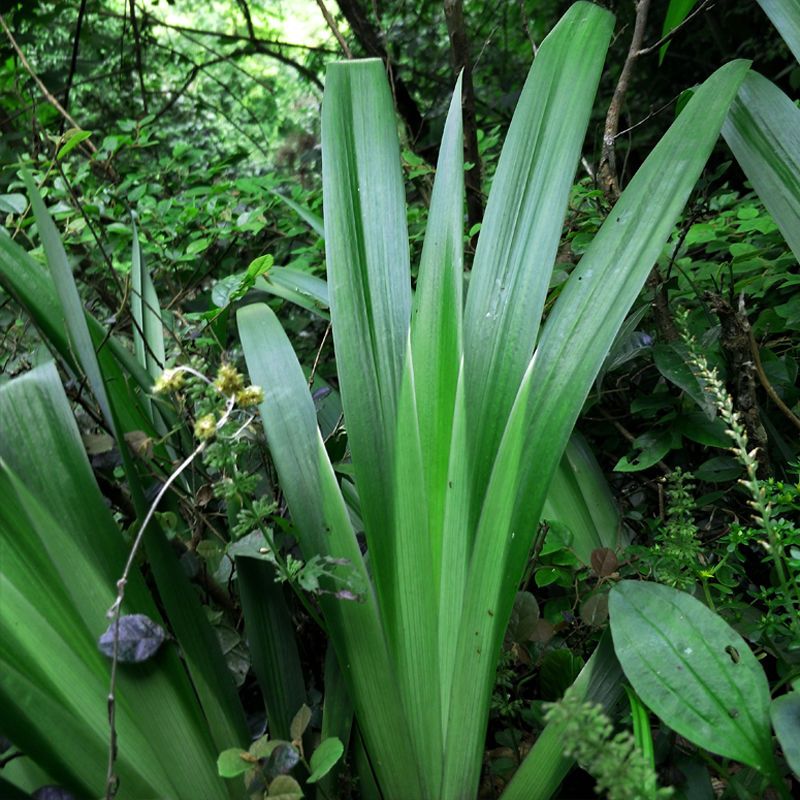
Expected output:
(137, 49)
(74, 59)
(319, 355)
(650, 116)
(607, 170)
(45, 91)
(704, 6)
(768, 387)
(232, 37)
(114, 611)
(331, 22)
(248, 19)
(459, 49)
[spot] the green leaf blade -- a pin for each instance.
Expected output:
(318, 510)
(324, 758)
(693, 670)
(785, 16)
(369, 278)
(522, 226)
(785, 715)
(437, 321)
(762, 131)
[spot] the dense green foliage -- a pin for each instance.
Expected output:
(354, 579)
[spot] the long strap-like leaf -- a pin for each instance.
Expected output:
(522, 227)
(324, 527)
(763, 130)
(573, 344)
(369, 277)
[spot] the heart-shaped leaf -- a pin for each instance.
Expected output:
(693, 670)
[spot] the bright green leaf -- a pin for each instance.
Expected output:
(325, 757)
(234, 761)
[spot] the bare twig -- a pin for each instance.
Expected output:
(607, 170)
(768, 387)
(248, 19)
(137, 49)
(704, 6)
(74, 59)
(319, 355)
(459, 49)
(331, 22)
(114, 612)
(229, 37)
(44, 90)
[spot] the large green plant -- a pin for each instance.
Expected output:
(457, 420)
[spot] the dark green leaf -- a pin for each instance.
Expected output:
(785, 715)
(693, 670)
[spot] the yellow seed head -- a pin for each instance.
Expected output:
(205, 427)
(250, 396)
(229, 381)
(170, 380)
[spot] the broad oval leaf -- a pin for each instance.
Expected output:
(300, 722)
(693, 670)
(785, 715)
(139, 639)
(284, 787)
(324, 758)
(524, 617)
(234, 761)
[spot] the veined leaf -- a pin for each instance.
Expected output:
(148, 333)
(763, 131)
(785, 715)
(212, 679)
(273, 647)
(437, 323)
(71, 305)
(693, 670)
(309, 217)
(579, 498)
(412, 615)
(301, 288)
(337, 715)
